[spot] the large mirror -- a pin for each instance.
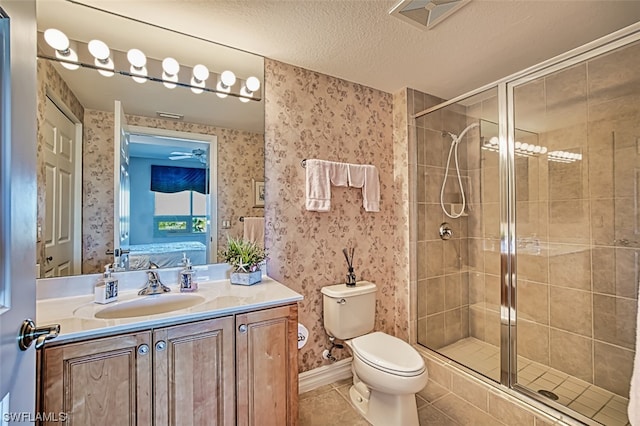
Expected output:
(141, 162)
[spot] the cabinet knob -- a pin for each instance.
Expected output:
(243, 328)
(143, 349)
(161, 345)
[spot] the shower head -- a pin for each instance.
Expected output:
(453, 136)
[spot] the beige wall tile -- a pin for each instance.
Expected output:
(570, 270)
(435, 297)
(533, 341)
(571, 310)
(569, 221)
(434, 258)
(613, 368)
(470, 391)
(603, 221)
(611, 75)
(434, 337)
(476, 287)
(504, 409)
(614, 320)
(572, 354)
(463, 412)
(476, 322)
(533, 267)
(627, 272)
(453, 292)
(533, 301)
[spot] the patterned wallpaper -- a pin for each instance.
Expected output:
(240, 159)
(311, 115)
(49, 81)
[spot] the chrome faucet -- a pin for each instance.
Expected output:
(153, 285)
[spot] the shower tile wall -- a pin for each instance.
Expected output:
(442, 277)
(577, 224)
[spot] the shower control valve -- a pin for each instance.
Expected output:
(445, 231)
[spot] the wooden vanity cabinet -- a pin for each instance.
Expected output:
(267, 367)
(194, 373)
(238, 369)
(99, 382)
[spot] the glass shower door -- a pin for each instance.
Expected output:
(577, 228)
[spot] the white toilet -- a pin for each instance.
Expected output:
(387, 371)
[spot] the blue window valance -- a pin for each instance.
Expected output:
(170, 179)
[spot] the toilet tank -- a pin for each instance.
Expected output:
(349, 311)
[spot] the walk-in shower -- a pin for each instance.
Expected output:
(537, 286)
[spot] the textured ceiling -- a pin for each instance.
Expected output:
(359, 41)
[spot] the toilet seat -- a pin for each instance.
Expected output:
(388, 353)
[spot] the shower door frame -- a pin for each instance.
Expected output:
(506, 168)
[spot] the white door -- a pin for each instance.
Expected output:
(17, 206)
(121, 208)
(59, 149)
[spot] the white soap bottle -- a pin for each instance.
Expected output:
(188, 281)
(106, 290)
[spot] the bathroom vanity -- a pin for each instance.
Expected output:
(230, 359)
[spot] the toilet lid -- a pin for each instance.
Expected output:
(388, 353)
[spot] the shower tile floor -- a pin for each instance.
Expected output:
(587, 399)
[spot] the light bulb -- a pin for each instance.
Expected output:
(222, 90)
(524, 146)
(244, 95)
(200, 72)
(228, 78)
(139, 74)
(537, 149)
(68, 55)
(494, 141)
(170, 66)
(56, 39)
(543, 150)
(197, 84)
(137, 58)
(518, 145)
(104, 67)
(253, 84)
(531, 148)
(99, 50)
(169, 81)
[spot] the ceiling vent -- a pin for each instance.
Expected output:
(426, 14)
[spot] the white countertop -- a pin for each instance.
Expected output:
(75, 314)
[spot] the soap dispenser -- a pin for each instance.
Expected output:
(187, 276)
(106, 290)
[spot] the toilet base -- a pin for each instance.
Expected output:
(381, 409)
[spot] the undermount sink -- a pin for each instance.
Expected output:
(150, 305)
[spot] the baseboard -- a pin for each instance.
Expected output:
(324, 375)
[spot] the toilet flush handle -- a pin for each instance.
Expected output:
(341, 302)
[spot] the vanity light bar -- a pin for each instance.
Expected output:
(140, 68)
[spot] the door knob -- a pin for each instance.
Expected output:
(29, 332)
(49, 259)
(243, 328)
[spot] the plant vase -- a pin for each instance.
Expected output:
(246, 278)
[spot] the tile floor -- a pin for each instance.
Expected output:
(590, 400)
(329, 405)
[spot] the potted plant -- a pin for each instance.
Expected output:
(245, 258)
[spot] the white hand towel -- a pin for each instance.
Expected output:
(365, 176)
(634, 393)
(320, 175)
(254, 230)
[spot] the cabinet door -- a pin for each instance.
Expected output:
(194, 373)
(267, 366)
(99, 382)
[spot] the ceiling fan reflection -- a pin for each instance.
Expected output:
(199, 154)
